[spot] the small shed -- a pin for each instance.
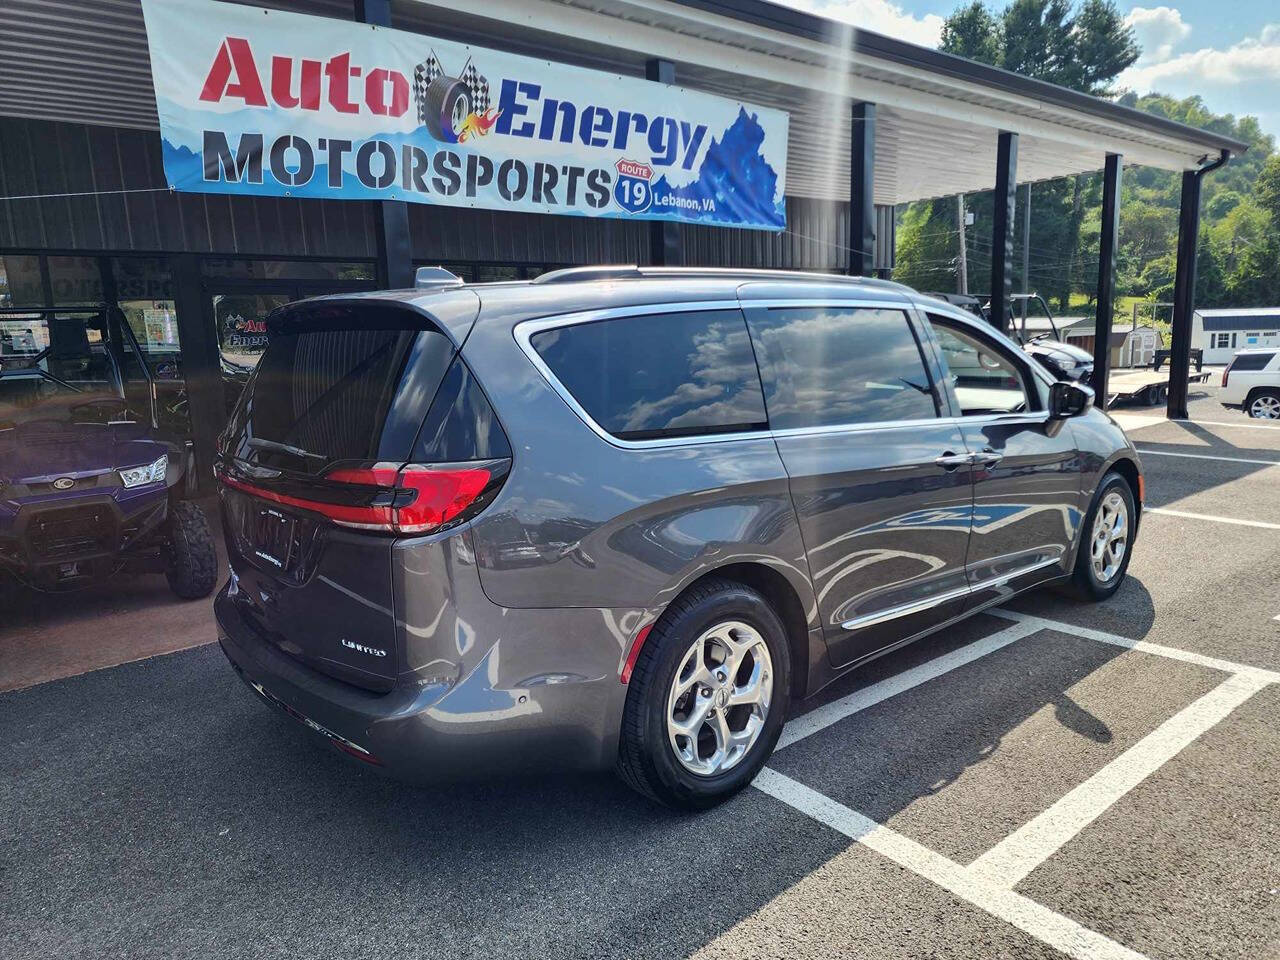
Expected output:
(1220, 333)
(1134, 347)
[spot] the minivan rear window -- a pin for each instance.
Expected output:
(325, 391)
(659, 375)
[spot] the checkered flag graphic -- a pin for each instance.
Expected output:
(423, 74)
(479, 88)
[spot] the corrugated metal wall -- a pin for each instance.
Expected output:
(44, 160)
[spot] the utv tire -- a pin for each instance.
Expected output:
(191, 563)
(648, 757)
(1088, 582)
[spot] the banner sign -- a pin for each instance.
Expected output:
(262, 102)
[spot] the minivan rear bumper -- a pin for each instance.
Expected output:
(477, 726)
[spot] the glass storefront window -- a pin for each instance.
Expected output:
(142, 278)
(75, 280)
(490, 272)
(288, 269)
(20, 284)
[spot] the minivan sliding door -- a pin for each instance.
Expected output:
(879, 481)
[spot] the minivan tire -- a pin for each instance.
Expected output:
(1085, 582)
(191, 562)
(646, 758)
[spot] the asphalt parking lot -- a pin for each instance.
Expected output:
(1047, 779)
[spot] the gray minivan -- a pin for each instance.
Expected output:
(628, 517)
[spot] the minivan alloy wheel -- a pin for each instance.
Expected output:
(1265, 406)
(719, 698)
(1110, 537)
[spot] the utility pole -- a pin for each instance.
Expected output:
(1026, 254)
(962, 270)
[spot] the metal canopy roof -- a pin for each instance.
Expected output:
(87, 61)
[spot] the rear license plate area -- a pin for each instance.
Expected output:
(273, 537)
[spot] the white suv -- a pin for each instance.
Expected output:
(1251, 383)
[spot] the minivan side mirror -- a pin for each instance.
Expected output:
(1068, 399)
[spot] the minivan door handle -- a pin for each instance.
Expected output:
(987, 458)
(950, 461)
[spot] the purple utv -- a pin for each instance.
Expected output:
(88, 484)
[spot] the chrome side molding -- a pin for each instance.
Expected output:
(919, 606)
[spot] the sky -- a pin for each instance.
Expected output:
(1228, 51)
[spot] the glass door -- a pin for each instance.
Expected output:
(240, 319)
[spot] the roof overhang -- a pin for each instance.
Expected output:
(938, 115)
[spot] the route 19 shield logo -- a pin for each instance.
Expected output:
(633, 191)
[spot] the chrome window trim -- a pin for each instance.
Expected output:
(902, 306)
(526, 329)
(919, 606)
(1036, 416)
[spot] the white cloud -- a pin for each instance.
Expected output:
(1159, 30)
(1250, 60)
(880, 16)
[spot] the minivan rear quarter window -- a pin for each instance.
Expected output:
(659, 375)
(828, 366)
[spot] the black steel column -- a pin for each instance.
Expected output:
(395, 248)
(862, 182)
(1106, 277)
(664, 235)
(201, 365)
(1001, 228)
(1184, 293)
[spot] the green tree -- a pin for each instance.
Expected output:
(1085, 48)
(975, 33)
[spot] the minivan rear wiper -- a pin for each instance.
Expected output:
(259, 443)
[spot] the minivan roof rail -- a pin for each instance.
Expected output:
(636, 272)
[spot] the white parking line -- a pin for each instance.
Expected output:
(1142, 646)
(1166, 512)
(1204, 456)
(1013, 908)
(988, 882)
(1224, 423)
(1034, 842)
(1130, 422)
(837, 710)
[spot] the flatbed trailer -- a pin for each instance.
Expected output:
(1146, 387)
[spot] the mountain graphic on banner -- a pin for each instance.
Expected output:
(734, 176)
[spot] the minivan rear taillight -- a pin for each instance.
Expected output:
(384, 498)
(1226, 371)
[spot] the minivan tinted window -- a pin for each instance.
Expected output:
(824, 366)
(659, 375)
(985, 381)
(326, 389)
